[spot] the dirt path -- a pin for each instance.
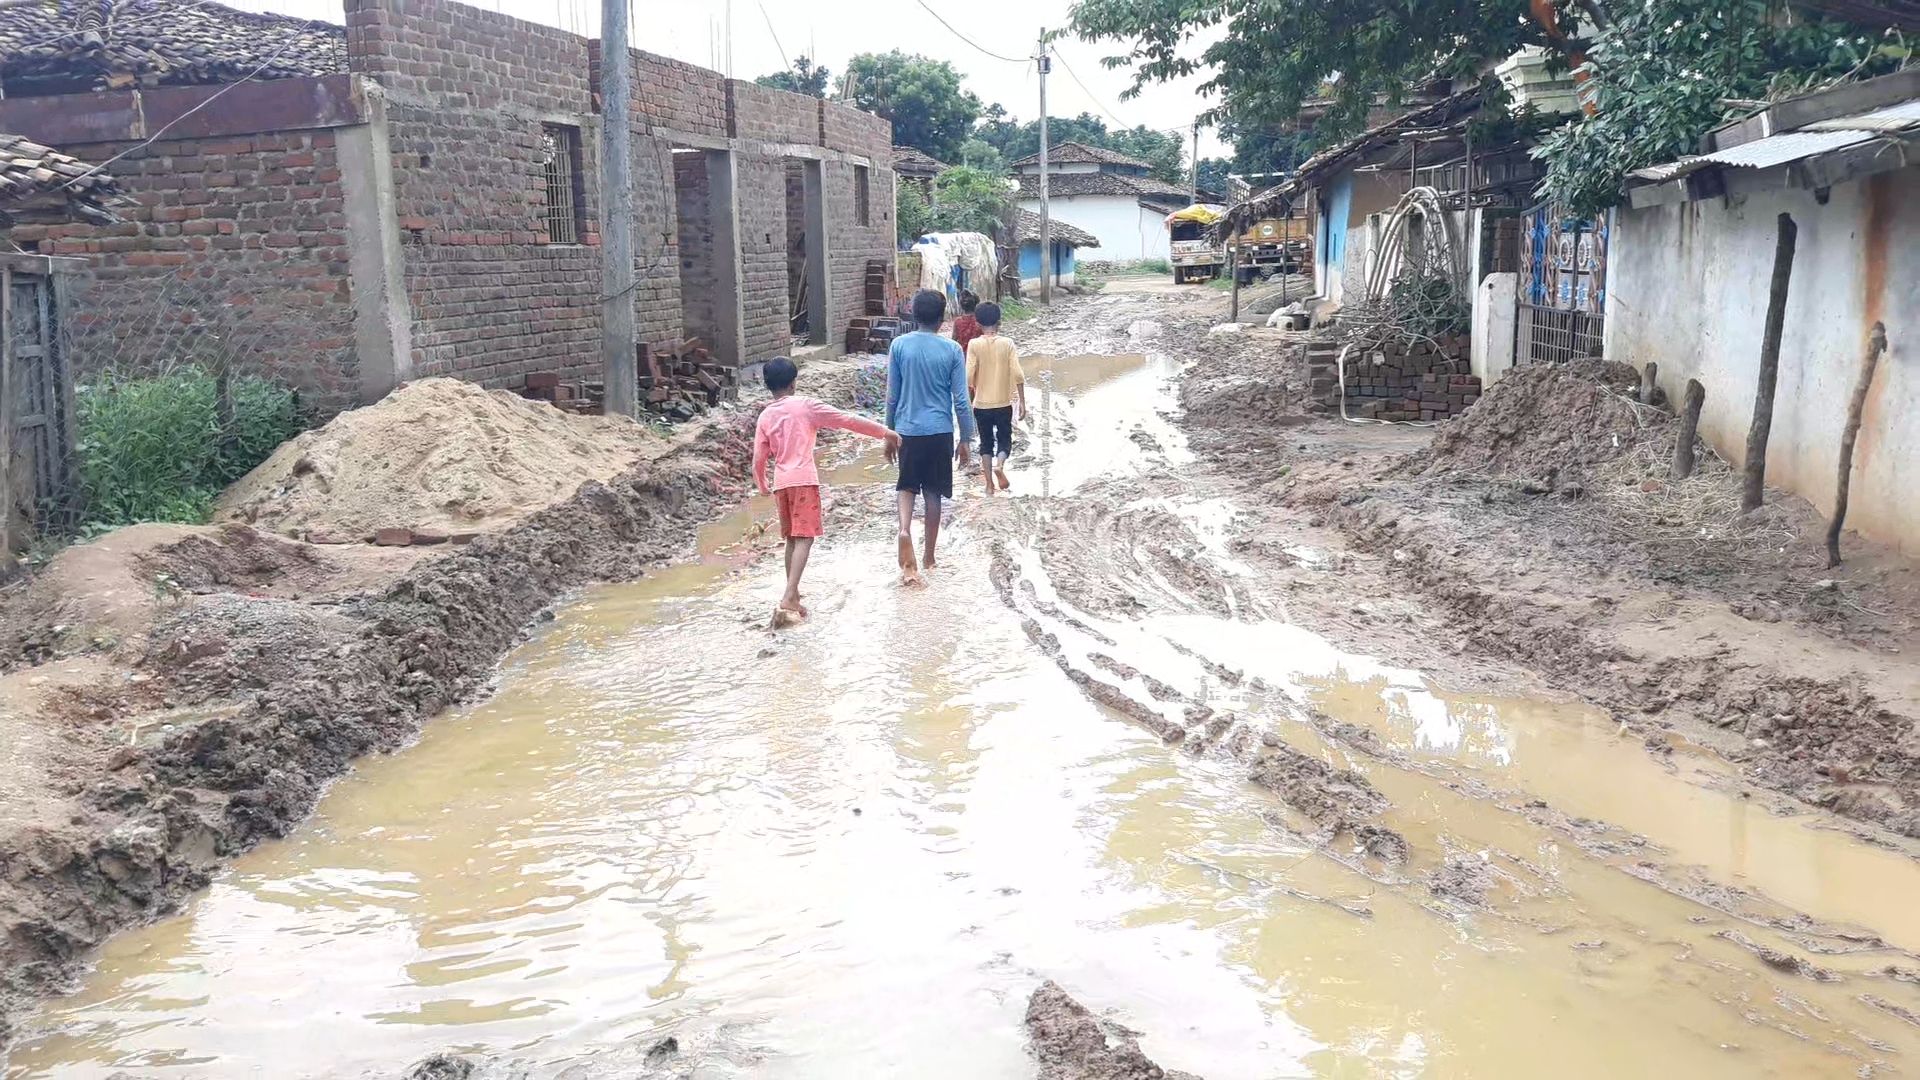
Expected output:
(1233, 723)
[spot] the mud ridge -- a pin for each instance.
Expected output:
(1071, 1043)
(312, 687)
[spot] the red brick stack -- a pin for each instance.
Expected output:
(1396, 381)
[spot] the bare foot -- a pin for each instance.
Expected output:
(784, 617)
(910, 578)
(1000, 474)
(927, 563)
(906, 553)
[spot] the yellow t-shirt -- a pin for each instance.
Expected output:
(993, 370)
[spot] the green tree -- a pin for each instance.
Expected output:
(1661, 76)
(803, 78)
(969, 200)
(1163, 150)
(979, 154)
(923, 98)
(1213, 175)
(1269, 57)
(912, 215)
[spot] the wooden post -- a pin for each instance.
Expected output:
(1649, 382)
(1756, 465)
(1689, 428)
(1876, 345)
(1233, 267)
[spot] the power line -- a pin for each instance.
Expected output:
(1124, 126)
(775, 35)
(970, 41)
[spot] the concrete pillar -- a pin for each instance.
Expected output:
(821, 316)
(383, 319)
(1495, 307)
(729, 269)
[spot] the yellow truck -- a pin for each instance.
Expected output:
(1192, 249)
(1273, 246)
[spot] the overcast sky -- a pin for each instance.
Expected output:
(768, 33)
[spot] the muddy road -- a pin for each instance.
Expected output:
(1152, 736)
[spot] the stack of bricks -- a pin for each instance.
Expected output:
(872, 334)
(876, 287)
(679, 379)
(566, 395)
(1396, 381)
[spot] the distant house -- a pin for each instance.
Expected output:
(1108, 195)
(913, 166)
(1065, 240)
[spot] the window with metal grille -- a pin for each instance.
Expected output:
(565, 212)
(862, 197)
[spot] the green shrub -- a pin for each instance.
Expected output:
(1153, 266)
(152, 448)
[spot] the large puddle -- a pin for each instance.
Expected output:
(852, 850)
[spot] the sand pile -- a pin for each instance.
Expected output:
(435, 456)
(1544, 421)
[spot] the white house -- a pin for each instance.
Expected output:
(1106, 194)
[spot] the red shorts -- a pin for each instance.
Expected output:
(799, 511)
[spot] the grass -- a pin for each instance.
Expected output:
(155, 448)
(1012, 310)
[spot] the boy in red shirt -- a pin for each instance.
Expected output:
(784, 436)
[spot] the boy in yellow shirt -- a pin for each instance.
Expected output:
(997, 384)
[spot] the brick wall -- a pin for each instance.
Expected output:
(656, 244)
(852, 245)
(469, 92)
(235, 250)
(697, 277)
(763, 256)
(774, 116)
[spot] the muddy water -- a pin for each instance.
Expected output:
(854, 848)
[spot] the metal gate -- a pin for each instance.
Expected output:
(1545, 335)
(1563, 296)
(36, 472)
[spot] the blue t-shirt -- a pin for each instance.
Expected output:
(927, 386)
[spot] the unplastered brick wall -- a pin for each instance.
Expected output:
(656, 244)
(763, 256)
(471, 94)
(235, 250)
(851, 245)
(697, 273)
(774, 116)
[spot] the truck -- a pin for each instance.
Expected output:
(1273, 246)
(1193, 250)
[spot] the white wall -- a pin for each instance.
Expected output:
(1127, 231)
(1495, 306)
(1687, 287)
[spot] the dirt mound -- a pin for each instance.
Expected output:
(438, 455)
(1338, 800)
(1543, 421)
(1073, 1044)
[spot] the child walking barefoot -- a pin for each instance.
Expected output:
(926, 394)
(997, 384)
(784, 437)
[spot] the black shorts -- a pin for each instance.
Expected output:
(996, 431)
(926, 464)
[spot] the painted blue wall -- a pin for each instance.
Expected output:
(1063, 259)
(1330, 247)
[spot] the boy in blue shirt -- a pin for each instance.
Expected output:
(926, 394)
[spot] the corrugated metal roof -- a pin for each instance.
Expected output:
(1899, 117)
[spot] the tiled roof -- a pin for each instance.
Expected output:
(912, 161)
(1073, 153)
(1067, 185)
(1058, 230)
(158, 42)
(40, 182)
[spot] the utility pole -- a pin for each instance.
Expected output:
(1193, 176)
(617, 334)
(1046, 221)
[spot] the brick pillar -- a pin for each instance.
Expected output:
(382, 316)
(729, 291)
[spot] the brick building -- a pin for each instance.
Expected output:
(416, 193)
